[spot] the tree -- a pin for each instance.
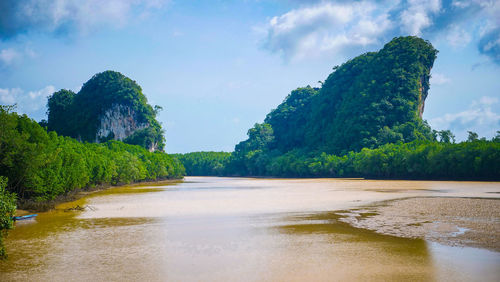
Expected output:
(472, 136)
(496, 138)
(7, 211)
(60, 112)
(446, 136)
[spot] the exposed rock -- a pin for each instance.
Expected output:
(118, 122)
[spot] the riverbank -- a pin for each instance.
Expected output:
(452, 221)
(30, 206)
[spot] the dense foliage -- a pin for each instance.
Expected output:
(78, 115)
(41, 165)
(478, 159)
(7, 210)
(205, 163)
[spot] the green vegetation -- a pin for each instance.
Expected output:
(42, 165)
(470, 160)
(415, 160)
(374, 99)
(364, 121)
(7, 210)
(205, 163)
(79, 115)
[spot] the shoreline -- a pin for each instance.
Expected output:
(355, 178)
(451, 221)
(30, 206)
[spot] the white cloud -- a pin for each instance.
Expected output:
(458, 37)
(481, 117)
(177, 33)
(8, 56)
(9, 96)
(439, 79)
(460, 4)
(351, 27)
(418, 15)
(42, 93)
(70, 15)
(31, 103)
(486, 101)
(326, 27)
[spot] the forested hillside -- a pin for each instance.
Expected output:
(371, 100)
(364, 121)
(109, 106)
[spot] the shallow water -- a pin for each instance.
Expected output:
(213, 229)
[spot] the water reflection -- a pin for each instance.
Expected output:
(333, 250)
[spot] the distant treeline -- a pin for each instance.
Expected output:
(205, 163)
(470, 160)
(42, 165)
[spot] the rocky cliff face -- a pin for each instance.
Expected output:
(423, 91)
(118, 122)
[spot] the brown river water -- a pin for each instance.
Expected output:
(243, 229)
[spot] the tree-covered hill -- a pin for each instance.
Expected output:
(371, 100)
(109, 106)
(364, 121)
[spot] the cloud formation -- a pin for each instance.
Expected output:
(8, 56)
(490, 45)
(326, 27)
(439, 79)
(418, 15)
(345, 26)
(481, 117)
(66, 16)
(31, 103)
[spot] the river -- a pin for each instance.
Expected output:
(243, 229)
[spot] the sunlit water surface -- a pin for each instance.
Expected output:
(239, 229)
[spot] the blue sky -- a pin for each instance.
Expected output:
(218, 67)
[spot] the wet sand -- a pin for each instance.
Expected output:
(472, 222)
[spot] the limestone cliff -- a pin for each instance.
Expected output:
(119, 121)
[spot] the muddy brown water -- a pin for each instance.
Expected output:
(240, 229)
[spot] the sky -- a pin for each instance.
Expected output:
(218, 67)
